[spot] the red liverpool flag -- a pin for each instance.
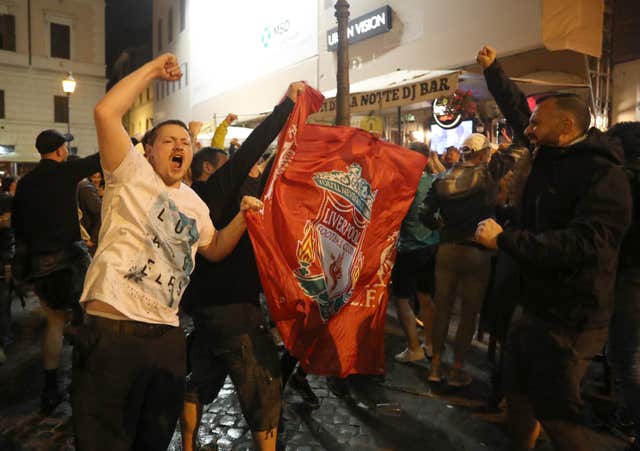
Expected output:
(325, 242)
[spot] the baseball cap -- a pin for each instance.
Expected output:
(49, 140)
(474, 143)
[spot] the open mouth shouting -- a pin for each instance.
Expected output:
(176, 161)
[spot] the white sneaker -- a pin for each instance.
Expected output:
(407, 356)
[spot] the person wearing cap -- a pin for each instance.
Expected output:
(45, 221)
(457, 200)
(129, 373)
(451, 156)
(576, 209)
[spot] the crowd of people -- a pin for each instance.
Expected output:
(121, 245)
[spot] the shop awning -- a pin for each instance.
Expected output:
(395, 89)
(403, 88)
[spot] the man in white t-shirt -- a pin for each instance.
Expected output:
(129, 367)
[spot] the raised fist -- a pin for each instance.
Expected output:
(295, 89)
(166, 67)
(230, 118)
(486, 56)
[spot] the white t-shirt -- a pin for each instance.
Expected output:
(148, 240)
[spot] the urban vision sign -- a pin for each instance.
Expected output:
(371, 24)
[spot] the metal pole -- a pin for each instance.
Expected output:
(69, 113)
(399, 142)
(343, 112)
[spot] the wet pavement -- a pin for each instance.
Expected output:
(400, 412)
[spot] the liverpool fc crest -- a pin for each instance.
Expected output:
(329, 254)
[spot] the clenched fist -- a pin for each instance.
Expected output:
(487, 233)
(295, 89)
(250, 203)
(486, 56)
(166, 67)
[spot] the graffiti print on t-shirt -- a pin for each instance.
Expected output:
(163, 266)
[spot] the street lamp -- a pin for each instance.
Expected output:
(69, 86)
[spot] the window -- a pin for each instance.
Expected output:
(149, 123)
(170, 25)
(8, 32)
(1, 104)
(148, 94)
(159, 35)
(61, 109)
(183, 14)
(60, 41)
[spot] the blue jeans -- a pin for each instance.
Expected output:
(624, 339)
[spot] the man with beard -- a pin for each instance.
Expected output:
(575, 211)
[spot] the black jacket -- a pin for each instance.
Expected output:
(462, 196)
(575, 211)
(234, 279)
(630, 250)
(90, 203)
(45, 208)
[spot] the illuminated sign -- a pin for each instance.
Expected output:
(253, 39)
(364, 27)
(443, 116)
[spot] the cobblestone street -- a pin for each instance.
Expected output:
(401, 412)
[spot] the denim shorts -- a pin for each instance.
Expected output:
(414, 271)
(232, 340)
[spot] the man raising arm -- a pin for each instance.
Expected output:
(153, 225)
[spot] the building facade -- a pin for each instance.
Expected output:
(241, 62)
(41, 41)
(139, 118)
(626, 60)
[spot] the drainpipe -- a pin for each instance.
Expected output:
(29, 27)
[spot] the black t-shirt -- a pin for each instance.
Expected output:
(234, 279)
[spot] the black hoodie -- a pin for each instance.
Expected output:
(576, 209)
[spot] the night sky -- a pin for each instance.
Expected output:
(128, 24)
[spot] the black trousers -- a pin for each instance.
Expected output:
(128, 385)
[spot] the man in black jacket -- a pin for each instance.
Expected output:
(230, 336)
(624, 332)
(576, 209)
(45, 221)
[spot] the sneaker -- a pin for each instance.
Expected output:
(338, 386)
(408, 356)
(301, 385)
(435, 375)
(458, 378)
(50, 400)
